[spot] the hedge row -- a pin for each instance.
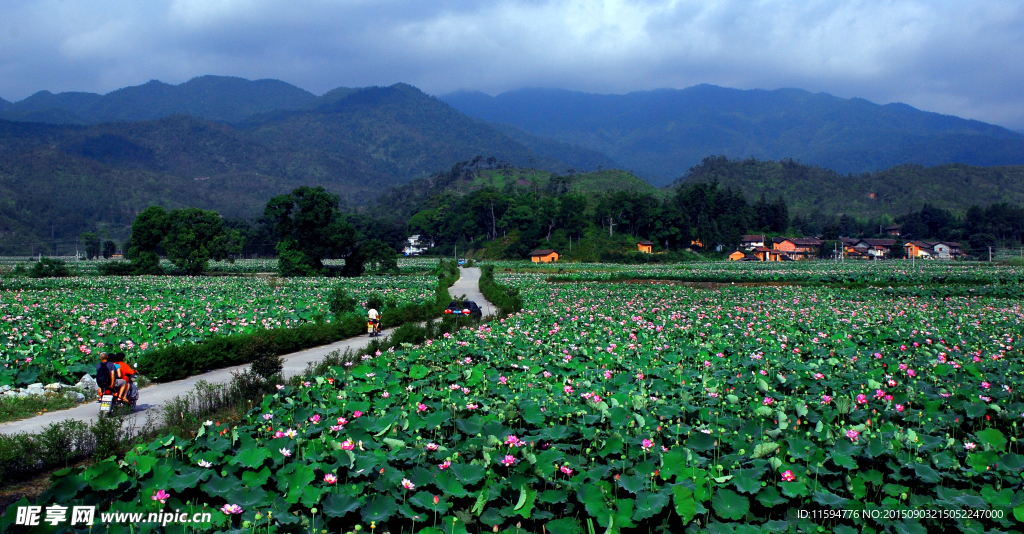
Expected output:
(507, 299)
(177, 362)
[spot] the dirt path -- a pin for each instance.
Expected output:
(294, 363)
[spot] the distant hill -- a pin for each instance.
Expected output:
(219, 98)
(892, 191)
(357, 143)
(659, 134)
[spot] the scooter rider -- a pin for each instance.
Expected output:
(374, 317)
(125, 373)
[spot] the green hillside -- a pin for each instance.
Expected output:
(588, 183)
(893, 191)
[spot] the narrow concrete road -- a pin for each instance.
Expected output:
(294, 364)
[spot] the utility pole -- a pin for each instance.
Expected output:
(990, 254)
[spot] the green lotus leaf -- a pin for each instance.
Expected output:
(468, 473)
(648, 505)
(727, 504)
(379, 508)
(684, 503)
(338, 505)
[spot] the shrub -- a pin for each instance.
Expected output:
(505, 298)
(340, 302)
(116, 268)
(49, 268)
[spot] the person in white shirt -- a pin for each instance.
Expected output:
(372, 314)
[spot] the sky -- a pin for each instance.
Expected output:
(956, 57)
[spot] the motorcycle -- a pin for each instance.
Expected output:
(373, 327)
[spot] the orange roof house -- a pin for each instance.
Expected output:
(796, 247)
(645, 247)
(737, 256)
(543, 256)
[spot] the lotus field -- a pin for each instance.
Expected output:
(627, 408)
(54, 329)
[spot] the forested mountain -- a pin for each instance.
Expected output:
(220, 98)
(356, 143)
(892, 191)
(659, 134)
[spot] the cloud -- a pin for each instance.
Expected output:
(949, 56)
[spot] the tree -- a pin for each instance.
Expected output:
(148, 231)
(379, 256)
(310, 228)
(196, 236)
(91, 241)
(109, 249)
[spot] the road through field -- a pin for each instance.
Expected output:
(295, 363)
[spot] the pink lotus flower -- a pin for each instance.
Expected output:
(825, 399)
(342, 421)
(330, 478)
(985, 385)
(911, 373)
(818, 376)
(639, 376)
(607, 375)
(472, 406)
(502, 380)
(357, 414)
(969, 446)
(508, 461)
(285, 452)
(567, 389)
(788, 476)
(565, 469)
(315, 419)
(161, 496)
(231, 509)
(445, 464)
(768, 401)
(347, 445)
(385, 394)
(407, 484)
(852, 434)
(431, 446)
(899, 407)
(861, 399)
(268, 416)
(646, 444)
(421, 408)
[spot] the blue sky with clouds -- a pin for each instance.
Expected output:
(955, 57)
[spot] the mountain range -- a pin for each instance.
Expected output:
(73, 162)
(660, 134)
(58, 180)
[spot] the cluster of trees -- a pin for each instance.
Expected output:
(704, 212)
(303, 228)
(95, 247)
(190, 237)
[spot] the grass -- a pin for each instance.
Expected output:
(16, 408)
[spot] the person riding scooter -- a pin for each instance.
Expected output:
(373, 319)
(124, 379)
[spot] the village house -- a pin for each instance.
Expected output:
(943, 250)
(797, 247)
(893, 230)
(414, 246)
(875, 248)
(645, 246)
(750, 242)
(543, 256)
(760, 254)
